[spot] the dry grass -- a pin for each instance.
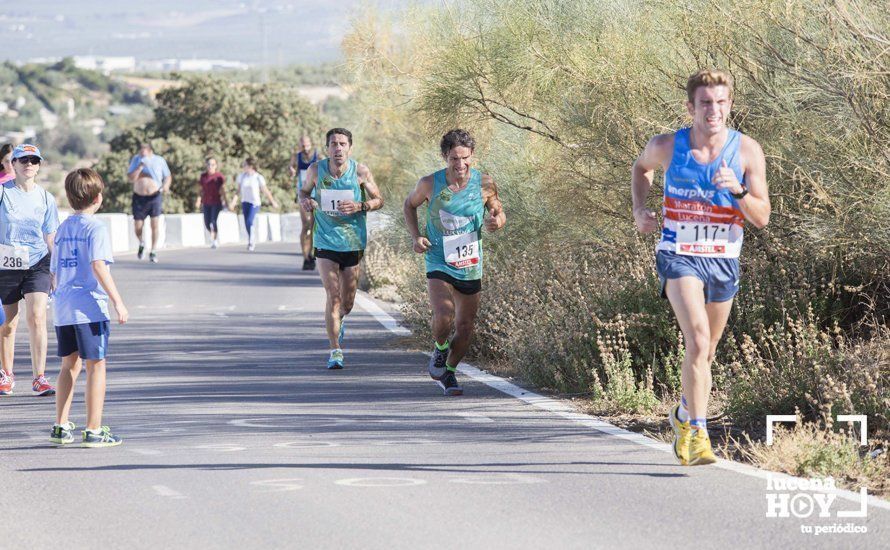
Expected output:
(811, 450)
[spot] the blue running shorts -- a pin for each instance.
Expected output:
(88, 339)
(719, 275)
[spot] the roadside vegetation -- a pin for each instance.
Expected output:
(562, 97)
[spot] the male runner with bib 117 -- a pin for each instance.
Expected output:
(714, 180)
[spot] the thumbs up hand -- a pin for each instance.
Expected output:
(725, 179)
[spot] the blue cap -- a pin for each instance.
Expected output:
(26, 150)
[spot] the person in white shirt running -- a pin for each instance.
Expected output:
(250, 184)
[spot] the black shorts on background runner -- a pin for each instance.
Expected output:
(147, 206)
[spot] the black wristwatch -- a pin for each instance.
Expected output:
(365, 206)
(739, 196)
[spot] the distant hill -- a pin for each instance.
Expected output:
(68, 110)
(272, 32)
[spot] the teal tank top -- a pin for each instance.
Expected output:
(454, 228)
(333, 230)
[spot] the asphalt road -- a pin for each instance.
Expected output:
(236, 436)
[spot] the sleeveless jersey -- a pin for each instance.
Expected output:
(302, 167)
(333, 230)
(454, 228)
(699, 219)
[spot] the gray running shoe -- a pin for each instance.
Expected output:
(153, 257)
(449, 384)
(437, 363)
(102, 439)
(61, 434)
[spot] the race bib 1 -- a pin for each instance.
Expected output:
(331, 199)
(461, 251)
(14, 257)
(702, 239)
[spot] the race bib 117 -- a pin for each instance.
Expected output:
(702, 239)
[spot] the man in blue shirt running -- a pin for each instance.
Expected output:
(151, 178)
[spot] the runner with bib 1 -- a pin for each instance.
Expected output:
(340, 192)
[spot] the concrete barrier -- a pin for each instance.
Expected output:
(227, 224)
(274, 222)
(118, 229)
(291, 225)
(187, 230)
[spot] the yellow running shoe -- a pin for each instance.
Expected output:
(682, 436)
(700, 452)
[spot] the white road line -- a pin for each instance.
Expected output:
(382, 317)
(144, 452)
(475, 417)
(165, 491)
(566, 411)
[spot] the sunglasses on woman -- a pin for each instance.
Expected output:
(28, 160)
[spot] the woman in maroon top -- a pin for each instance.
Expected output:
(212, 199)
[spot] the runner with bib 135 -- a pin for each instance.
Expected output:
(714, 180)
(458, 197)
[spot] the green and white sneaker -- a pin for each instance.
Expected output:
(102, 438)
(62, 433)
(336, 360)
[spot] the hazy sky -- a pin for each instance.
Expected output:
(303, 31)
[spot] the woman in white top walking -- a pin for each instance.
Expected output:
(250, 183)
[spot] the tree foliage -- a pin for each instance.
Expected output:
(207, 116)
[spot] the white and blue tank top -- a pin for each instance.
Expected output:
(699, 219)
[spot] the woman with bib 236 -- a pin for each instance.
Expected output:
(28, 221)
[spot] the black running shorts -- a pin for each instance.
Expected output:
(343, 259)
(464, 287)
(15, 283)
